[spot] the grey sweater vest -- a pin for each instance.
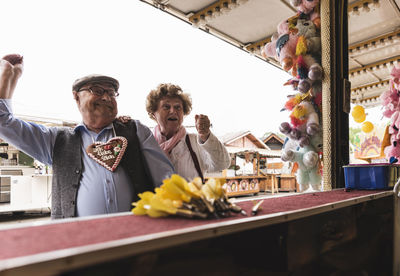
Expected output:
(67, 167)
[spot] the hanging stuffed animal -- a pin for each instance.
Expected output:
(308, 54)
(390, 100)
(283, 49)
(304, 6)
(308, 160)
(308, 31)
(309, 8)
(304, 119)
(392, 152)
(297, 47)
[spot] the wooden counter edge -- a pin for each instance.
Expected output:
(54, 262)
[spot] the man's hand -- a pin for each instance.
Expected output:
(14, 59)
(124, 119)
(203, 126)
(11, 67)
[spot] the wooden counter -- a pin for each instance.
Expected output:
(321, 231)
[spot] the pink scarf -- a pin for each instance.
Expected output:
(168, 145)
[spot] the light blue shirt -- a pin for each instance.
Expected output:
(100, 191)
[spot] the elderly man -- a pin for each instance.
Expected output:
(99, 166)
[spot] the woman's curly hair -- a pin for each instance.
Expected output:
(167, 90)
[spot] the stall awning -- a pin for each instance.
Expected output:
(374, 34)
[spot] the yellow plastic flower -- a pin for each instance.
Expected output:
(143, 204)
(172, 189)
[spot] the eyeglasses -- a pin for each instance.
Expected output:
(100, 91)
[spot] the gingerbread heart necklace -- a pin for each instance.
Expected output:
(110, 153)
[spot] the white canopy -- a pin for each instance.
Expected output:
(374, 34)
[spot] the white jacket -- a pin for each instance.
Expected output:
(212, 156)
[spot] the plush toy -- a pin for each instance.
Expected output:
(304, 119)
(392, 152)
(283, 43)
(390, 102)
(304, 6)
(297, 46)
(308, 71)
(309, 8)
(394, 125)
(294, 134)
(284, 27)
(288, 145)
(390, 99)
(395, 77)
(283, 49)
(307, 29)
(308, 53)
(308, 162)
(316, 93)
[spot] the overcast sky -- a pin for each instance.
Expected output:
(141, 46)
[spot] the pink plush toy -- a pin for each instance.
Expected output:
(392, 152)
(391, 103)
(283, 49)
(395, 125)
(309, 8)
(390, 99)
(304, 6)
(395, 74)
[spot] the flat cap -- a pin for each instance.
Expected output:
(94, 78)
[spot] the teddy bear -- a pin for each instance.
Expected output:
(289, 144)
(308, 160)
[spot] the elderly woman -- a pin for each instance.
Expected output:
(191, 154)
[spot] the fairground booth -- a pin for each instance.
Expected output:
(343, 218)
